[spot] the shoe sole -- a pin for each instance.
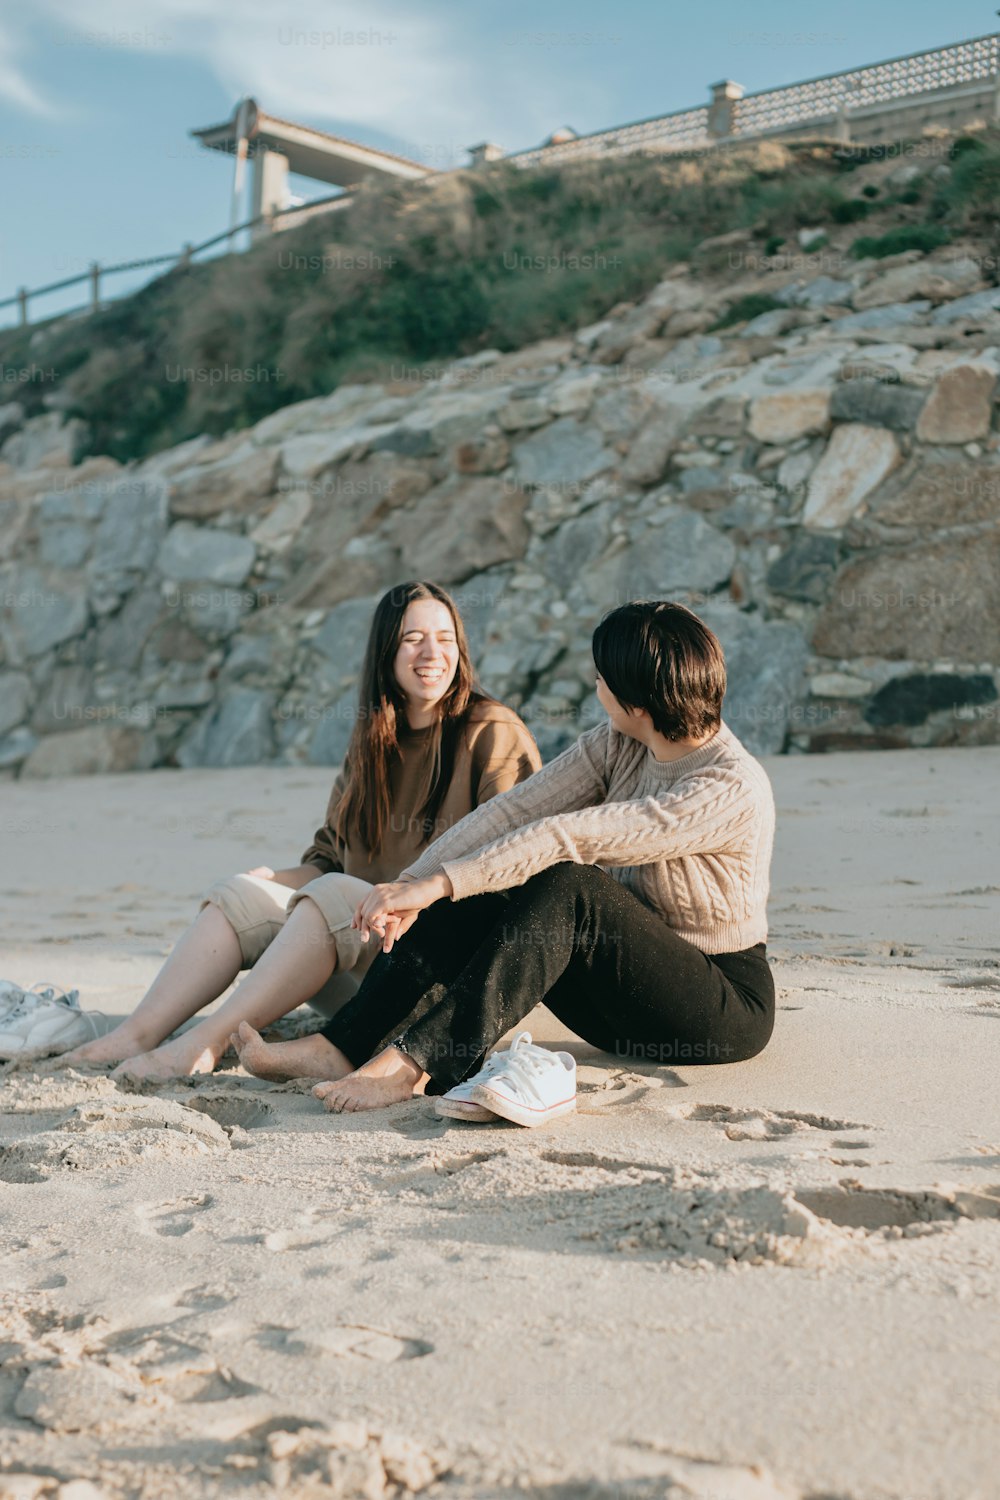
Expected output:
(41, 1049)
(522, 1114)
(458, 1109)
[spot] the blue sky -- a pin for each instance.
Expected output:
(97, 96)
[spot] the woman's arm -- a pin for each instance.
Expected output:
(706, 815)
(504, 754)
(575, 779)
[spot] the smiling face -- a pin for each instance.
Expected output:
(427, 658)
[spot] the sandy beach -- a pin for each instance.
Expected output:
(769, 1281)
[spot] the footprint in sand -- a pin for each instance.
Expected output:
(293, 1239)
(202, 1299)
(175, 1218)
(599, 1089)
(347, 1340)
(760, 1124)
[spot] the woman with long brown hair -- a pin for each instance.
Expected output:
(427, 748)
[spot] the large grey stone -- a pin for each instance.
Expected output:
(857, 459)
(940, 487)
(130, 531)
(620, 407)
(443, 419)
(81, 502)
(212, 611)
(650, 450)
(98, 749)
(576, 545)
(66, 701)
(894, 315)
(769, 325)
(15, 695)
(65, 544)
(938, 600)
(347, 504)
(823, 291)
(122, 637)
(199, 553)
(46, 442)
(879, 403)
(239, 481)
(805, 569)
(479, 600)
(16, 747)
(937, 280)
(11, 417)
(41, 611)
(682, 555)
(691, 357)
(333, 732)
(343, 635)
(309, 454)
(460, 527)
(565, 454)
(765, 664)
(238, 731)
(977, 305)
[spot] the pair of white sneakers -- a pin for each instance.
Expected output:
(43, 1021)
(527, 1084)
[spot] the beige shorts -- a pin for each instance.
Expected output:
(257, 910)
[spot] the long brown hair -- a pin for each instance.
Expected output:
(363, 809)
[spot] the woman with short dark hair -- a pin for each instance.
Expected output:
(624, 884)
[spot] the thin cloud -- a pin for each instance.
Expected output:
(400, 75)
(15, 88)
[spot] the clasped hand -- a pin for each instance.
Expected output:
(390, 909)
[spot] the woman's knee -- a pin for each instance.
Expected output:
(253, 908)
(564, 880)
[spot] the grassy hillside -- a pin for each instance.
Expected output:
(413, 274)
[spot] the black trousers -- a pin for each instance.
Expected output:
(602, 961)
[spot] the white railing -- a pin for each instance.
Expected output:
(680, 131)
(900, 78)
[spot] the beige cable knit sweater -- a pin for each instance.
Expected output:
(691, 838)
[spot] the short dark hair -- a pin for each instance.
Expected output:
(659, 656)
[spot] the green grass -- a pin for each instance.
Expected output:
(745, 308)
(922, 237)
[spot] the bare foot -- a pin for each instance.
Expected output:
(389, 1078)
(307, 1057)
(177, 1059)
(113, 1047)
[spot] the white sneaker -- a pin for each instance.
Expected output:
(42, 1021)
(458, 1102)
(530, 1085)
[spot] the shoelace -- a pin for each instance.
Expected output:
(51, 994)
(525, 1063)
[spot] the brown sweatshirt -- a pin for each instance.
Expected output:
(495, 751)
